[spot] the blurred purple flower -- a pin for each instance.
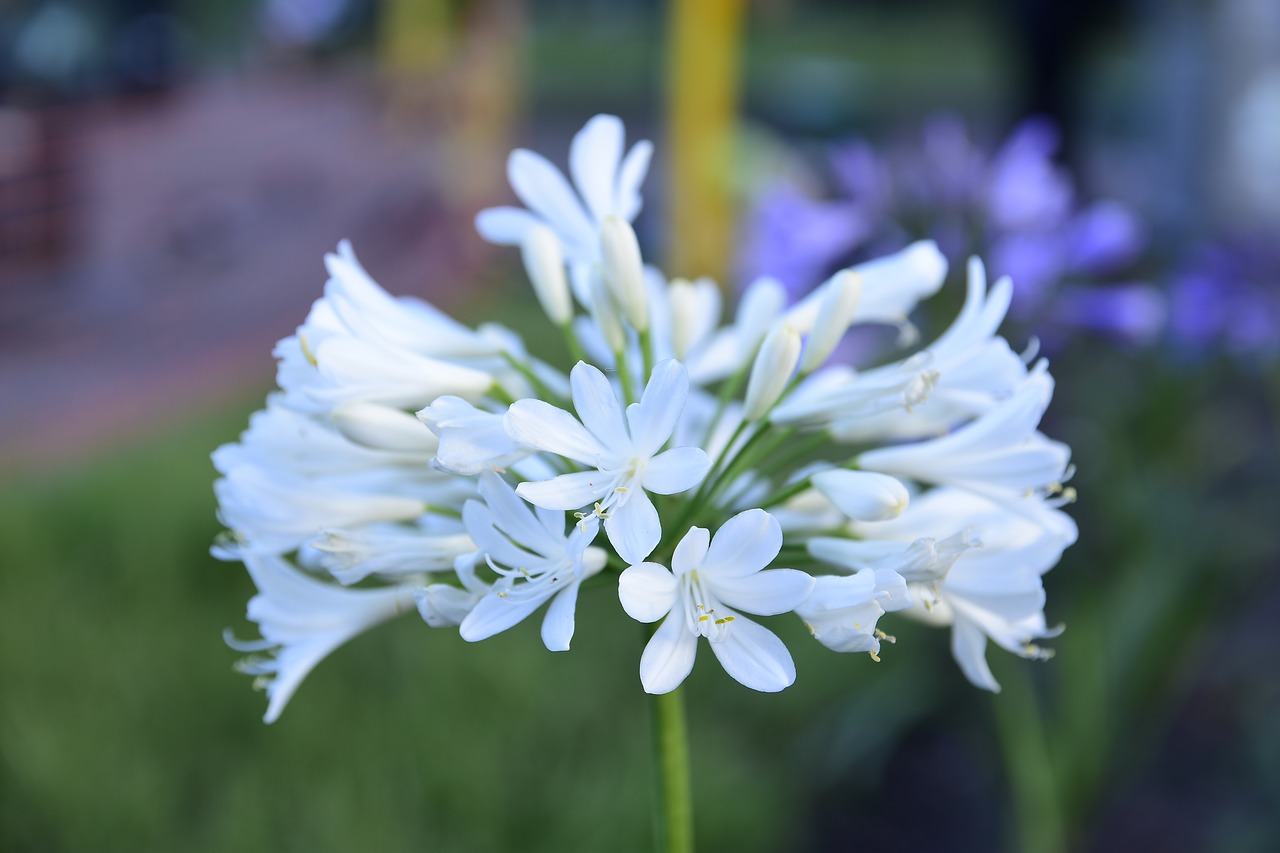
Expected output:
(1015, 207)
(795, 238)
(1227, 295)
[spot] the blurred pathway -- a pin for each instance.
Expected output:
(197, 228)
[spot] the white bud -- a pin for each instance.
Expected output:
(863, 495)
(835, 313)
(384, 428)
(774, 365)
(604, 310)
(544, 262)
(695, 313)
(624, 270)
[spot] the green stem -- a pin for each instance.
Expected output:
(1020, 728)
(539, 387)
(571, 340)
(674, 808)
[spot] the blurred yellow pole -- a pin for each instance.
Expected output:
(414, 36)
(705, 40)
(452, 72)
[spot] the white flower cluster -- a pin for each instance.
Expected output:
(409, 463)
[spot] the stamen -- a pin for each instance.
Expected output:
(888, 638)
(306, 351)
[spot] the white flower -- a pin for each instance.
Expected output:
(964, 373)
(709, 582)
(275, 512)
(535, 559)
(471, 440)
(891, 288)
(623, 453)
(357, 338)
(729, 349)
(607, 185)
(1000, 454)
(993, 591)
(302, 620)
(842, 611)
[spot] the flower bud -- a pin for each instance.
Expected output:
(695, 313)
(835, 312)
(384, 428)
(863, 495)
(544, 263)
(624, 270)
(774, 365)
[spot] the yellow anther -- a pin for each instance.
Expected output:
(622, 489)
(306, 351)
(875, 657)
(502, 595)
(703, 618)
(725, 620)
(888, 638)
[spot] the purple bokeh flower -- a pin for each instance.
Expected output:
(1226, 296)
(1015, 206)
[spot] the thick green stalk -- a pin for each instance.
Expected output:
(673, 824)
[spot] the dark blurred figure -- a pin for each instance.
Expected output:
(1050, 36)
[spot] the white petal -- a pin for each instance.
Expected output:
(516, 518)
(691, 552)
(537, 424)
(634, 528)
(567, 491)
(482, 527)
(506, 226)
(745, 544)
(647, 591)
(676, 470)
(653, 419)
(543, 188)
(668, 656)
(630, 177)
(598, 408)
(495, 614)
(755, 657)
(593, 162)
(969, 646)
(557, 625)
(766, 593)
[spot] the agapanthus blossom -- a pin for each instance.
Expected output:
(410, 464)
